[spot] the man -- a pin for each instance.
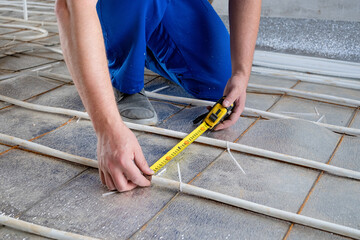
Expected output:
(182, 40)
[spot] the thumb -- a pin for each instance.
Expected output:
(229, 99)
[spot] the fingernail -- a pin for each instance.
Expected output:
(152, 171)
(226, 103)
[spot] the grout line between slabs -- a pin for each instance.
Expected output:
(351, 120)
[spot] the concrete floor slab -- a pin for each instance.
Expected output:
(28, 178)
(187, 217)
(172, 88)
(336, 200)
(60, 68)
(10, 234)
(77, 138)
(347, 156)
(27, 124)
(267, 182)
(23, 87)
(292, 137)
(17, 62)
(334, 114)
(80, 207)
(63, 97)
(260, 101)
(272, 81)
(356, 122)
(164, 110)
(299, 232)
(183, 122)
(330, 90)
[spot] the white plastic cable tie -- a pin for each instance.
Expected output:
(109, 193)
(179, 173)
(159, 89)
(317, 112)
(233, 158)
(161, 172)
(321, 118)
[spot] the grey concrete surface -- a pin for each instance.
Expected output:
(183, 122)
(80, 207)
(63, 97)
(77, 138)
(346, 10)
(261, 101)
(309, 37)
(305, 109)
(330, 90)
(347, 156)
(300, 232)
(27, 178)
(335, 200)
(23, 87)
(16, 63)
(10, 234)
(293, 137)
(272, 81)
(27, 124)
(189, 218)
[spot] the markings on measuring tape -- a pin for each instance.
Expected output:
(179, 147)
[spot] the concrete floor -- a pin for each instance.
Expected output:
(66, 196)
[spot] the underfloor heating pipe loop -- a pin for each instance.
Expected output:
(209, 141)
(204, 193)
(43, 32)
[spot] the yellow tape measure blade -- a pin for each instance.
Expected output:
(178, 148)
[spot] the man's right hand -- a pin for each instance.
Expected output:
(121, 161)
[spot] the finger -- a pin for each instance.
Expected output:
(109, 182)
(133, 174)
(102, 177)
(120, 181)
(230, 99)
(234, 117)
(142, 164)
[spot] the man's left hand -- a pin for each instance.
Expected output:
(235, 92)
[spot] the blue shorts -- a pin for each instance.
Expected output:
(184, 41)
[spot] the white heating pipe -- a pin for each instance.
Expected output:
(200, 192)
(44, 33)
(304, 94)
(40, 230)
(25, 9)
(265, 114)
(209, 141)
(306, 77)
(29, 21)
(307, 64)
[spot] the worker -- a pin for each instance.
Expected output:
(107, 44)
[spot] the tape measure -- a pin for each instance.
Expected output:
(210, 120)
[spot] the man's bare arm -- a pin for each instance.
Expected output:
(244, 24)
(120, 157)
